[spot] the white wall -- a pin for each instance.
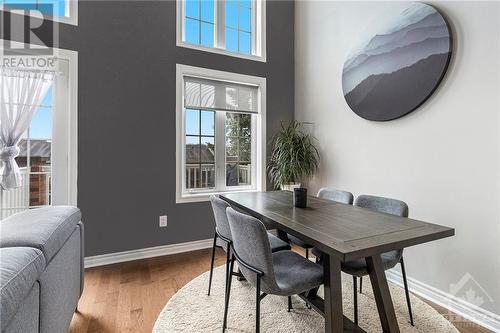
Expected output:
(442, 159)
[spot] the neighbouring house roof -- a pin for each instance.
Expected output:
(38, 148)
(193, 153)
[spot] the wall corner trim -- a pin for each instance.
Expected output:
(150, 252)
(458, 306)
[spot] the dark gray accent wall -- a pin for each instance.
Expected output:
(126, 117)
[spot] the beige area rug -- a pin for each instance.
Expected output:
(191, 310)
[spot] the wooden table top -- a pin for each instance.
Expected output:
(345, 231)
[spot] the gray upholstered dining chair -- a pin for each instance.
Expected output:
(283, 273)
(223, 239)
(330, 194)
(358, 268)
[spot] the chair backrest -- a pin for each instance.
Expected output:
(384, 205)
(219, 207)
(336, 195)
(251, 244)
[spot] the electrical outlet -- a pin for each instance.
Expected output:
(163, 221)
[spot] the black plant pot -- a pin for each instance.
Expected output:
(300, 197)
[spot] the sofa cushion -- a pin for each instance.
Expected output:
(19, 270)
(46, 228)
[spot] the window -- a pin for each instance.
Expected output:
(58, 10)
(47, 158)
(220, 126)
(233, 27)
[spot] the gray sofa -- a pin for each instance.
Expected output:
(41, 269)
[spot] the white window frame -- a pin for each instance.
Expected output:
(70, 15)
(258, 31)
(258, 135)
(64, 160)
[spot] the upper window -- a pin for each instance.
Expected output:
(233, 27)
(64, 11)
(220, 126)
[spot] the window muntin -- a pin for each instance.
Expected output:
(235, 27)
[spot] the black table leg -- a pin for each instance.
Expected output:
(334, 317)
(382, 294)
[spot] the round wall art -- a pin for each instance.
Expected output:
(398, 65)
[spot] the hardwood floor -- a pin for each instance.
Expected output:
(128, 297)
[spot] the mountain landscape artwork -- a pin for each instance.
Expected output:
(395, 70)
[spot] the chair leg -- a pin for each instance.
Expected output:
(361, 285)
(307, 253)
(289, 303)
(257, 308)
(228, 272)
(228, 292)
(407, 291)
(212, 265)
(355, 294)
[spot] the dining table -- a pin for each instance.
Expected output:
(342, 233)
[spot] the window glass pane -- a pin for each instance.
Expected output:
(193, 8)
(245, 19)
(39, 182)
(207, 34)
(232, 128)
(207, 178)
(61, 8)
(238, 149)
(208, 123)
(207, 10)
(245, 150)
(47, 100)
(231, 174)
(245, 42)
(231, 39)
(245, 125)
(41, 124)
(232, 14)
(20, 4)
(245, 174)
(49, 7)
(192, 149)
(207, 149)
(192, 31)
(246, 3)
(192, 176)
(192, 122)
(232, 149)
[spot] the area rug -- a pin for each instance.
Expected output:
(191, 310)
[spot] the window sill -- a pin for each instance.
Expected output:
(215, 50)
(201, 197)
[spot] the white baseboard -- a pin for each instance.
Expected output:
(157, 251)
(454, 304)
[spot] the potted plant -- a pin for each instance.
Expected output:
(294, 157)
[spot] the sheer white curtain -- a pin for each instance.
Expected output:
(21, 92)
